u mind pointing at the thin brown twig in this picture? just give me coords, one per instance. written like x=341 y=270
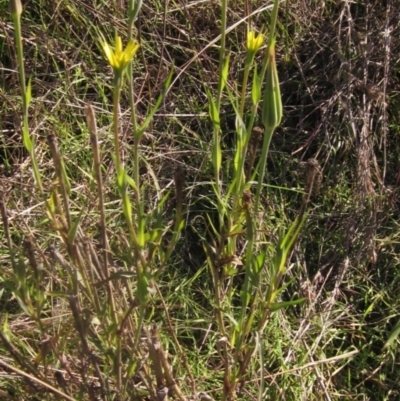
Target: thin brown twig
x=37 y=380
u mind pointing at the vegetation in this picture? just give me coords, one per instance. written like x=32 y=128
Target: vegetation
x=199 y=200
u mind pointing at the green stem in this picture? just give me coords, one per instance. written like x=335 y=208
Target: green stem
x=224 y=9
x=243 y=139
x=137 y=138
x=274 y=18
x=271 y=37
x=217 y=129
x=244 y=88
x=134 y=119
x=268 y=131
x=28 y=142
x=20 y=59
x=118 y=164
x=246 y=289
x=262 y=166
x=117 y=93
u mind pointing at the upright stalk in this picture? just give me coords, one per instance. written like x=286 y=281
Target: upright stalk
x=262 y=166
x=224 y=10
x=133 y=9
x=217 y=129
x=16 y=11
x=272 y=104
x=116 y=97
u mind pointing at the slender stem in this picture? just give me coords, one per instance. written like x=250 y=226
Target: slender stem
x=117 y=93
x=119 y=168
x=244 y=89
x=138 y=256
x=16 y=16
x=20 y=59
x=262 y=166
x=134 y=123
x=217 y=129
x=242 y=140
x=268 y=131
x=136 y=149
x=139 y=211
x=216 y=145
x=271 y=37
x=224 y=9
x=274 y=18
x=246 y=290
x=250 y=126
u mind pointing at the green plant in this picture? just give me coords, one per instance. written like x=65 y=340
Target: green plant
x=263 y=267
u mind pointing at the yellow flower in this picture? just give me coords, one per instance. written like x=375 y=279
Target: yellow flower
x=118 y=58
x=254 y=42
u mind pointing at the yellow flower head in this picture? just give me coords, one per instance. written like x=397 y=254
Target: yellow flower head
x=118 y=58
x=254 y=42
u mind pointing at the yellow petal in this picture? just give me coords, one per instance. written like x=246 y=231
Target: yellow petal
x=131 y=50
x=119 y=58
x=250 y=38
x=259 y=41
x=118 y=45
x=254 y=42
x=109 y=53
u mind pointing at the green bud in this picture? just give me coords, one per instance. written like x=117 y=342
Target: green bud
x=272 y=102
x=15 y=7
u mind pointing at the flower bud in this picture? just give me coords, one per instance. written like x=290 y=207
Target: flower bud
x=272 y=102
x=15 y=7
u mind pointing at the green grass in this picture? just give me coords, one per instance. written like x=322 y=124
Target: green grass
x=74 y=327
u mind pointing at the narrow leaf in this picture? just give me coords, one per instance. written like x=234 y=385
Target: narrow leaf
x=135 y=11
x=255 y=88
x=393 y=335
x=225 y=72
x=217 y=155
x=65 y=177
x=279 y=305
x=28 y=94
x=26 y=137
x=213 y=110
x=74 y=229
